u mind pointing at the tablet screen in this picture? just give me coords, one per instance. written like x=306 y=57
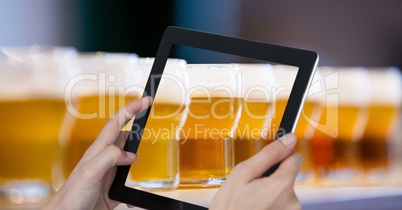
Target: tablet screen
x=207 y=116
x=217 y=101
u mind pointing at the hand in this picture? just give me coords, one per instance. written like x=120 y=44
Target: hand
x=88 y=185
x=245 y=188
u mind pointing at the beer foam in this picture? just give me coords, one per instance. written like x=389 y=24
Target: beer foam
x=108 y=73
x=104 y=57
x=214 y=80
x=257 y=81
x=35 y=53
x=118 y=65
x=386 y=86
x=350 y=83
x=174 y=83
x=315 y=92
x=20 y=81
x=137 y=75
x=174 y=80
x=284 y=79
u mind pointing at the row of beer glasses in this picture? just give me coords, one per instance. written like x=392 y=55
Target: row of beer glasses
x=54 y=102
x=355 y=137
x=226 y=119
x=214 y=126
x=204 y=110
x=206 y=119
x=346 y=131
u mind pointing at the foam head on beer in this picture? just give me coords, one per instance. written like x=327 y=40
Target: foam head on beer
x=385 y=92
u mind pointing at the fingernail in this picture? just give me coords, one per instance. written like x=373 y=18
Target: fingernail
x=131 y=155
x=288 y=139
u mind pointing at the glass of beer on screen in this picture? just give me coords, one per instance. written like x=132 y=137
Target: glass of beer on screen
x=257 y=81
x=334 y=146
x=31 y=109
x=157 y=166
x=214 y=107
x=384 y=117
x=98 y=90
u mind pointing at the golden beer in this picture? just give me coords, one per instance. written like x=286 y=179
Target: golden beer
x=304 y=132
x=81 y=131
x=335 y=152
x=248 y=141
x=205 y=140
x=284 y=80
x=158 y=150
x=32 y=110
x=349 y=132
x=340 y=152
x=380 y=126
x=257 y=83
x=303 y=127
x=28 y=138
x=384 y=116
x=105 y=83
x=336 y=157
x=157 y=166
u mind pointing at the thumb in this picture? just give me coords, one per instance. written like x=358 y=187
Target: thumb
x=270 y=155
x=110 y=157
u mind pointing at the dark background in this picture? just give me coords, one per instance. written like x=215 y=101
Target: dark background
x=344 y=33
x=124 y=26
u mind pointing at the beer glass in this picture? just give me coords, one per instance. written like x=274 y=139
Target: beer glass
x=257 y=81
x=305 y=127
x=214 y=106
x=157 y=166
x=381 y=129
x=334 y=149
x=31 y=109
x=98 y=90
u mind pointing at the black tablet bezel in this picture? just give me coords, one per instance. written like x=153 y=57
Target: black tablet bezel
x=305 y=60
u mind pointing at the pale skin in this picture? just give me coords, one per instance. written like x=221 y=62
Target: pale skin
x=88 y=185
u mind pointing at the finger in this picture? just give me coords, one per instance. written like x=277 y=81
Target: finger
x=270 y=155
x=289 y=168
x=121 y=141
x=111 y=131
x=285 y=175
x=110 y=157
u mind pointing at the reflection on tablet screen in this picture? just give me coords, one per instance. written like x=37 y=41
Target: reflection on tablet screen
x=206 y=118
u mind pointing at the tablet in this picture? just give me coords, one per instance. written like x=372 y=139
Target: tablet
x=217 y=68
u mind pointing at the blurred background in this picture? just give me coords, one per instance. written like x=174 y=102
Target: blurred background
x=344 y=33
